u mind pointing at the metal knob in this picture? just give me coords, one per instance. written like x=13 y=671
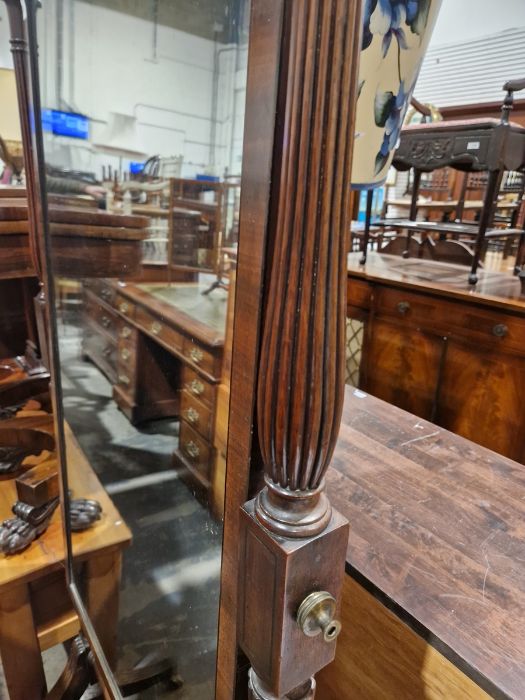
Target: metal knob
x=192 y=416
x=123 y=379
x=125 y=354
x=196 y=387
x=196 y=355
x=192 y=449
x=156 y=327
x=500 y=330
x=403 y=307
x=123 y=308
x=316 y=614
x=106 y=322
x=125 y=332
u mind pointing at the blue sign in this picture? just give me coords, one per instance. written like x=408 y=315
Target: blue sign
x=65 y=124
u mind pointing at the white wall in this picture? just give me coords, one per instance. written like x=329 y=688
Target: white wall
x=113 y=65
x=5 y=51
x=463 y=20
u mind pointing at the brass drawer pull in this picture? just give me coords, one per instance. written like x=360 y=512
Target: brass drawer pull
x=106 y=322
x=156 y=327
x=403 y=307
x=124 y=379
x=125 y=332
x=196 y=355
x=196 y=387
x=123 y=307
x=107 y=351
x=105 y=293
x=192 y=416
x=192 y=449
x=500 y=330
x=125 y=354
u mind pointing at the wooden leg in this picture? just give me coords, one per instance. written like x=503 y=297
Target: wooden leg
x=102 y=600
x=19 y=648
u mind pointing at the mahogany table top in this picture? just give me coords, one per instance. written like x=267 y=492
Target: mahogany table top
x=437 y=533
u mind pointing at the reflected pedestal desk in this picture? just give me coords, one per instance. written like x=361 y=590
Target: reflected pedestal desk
x=161 y=347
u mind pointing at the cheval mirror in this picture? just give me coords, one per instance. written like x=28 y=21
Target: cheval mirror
x=188 y=169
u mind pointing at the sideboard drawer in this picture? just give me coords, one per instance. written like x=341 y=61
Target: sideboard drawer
x=195 y=449
x=151 y=325
x=358 y=293
x=196 y=386
x=197 y=414
x=415 y=308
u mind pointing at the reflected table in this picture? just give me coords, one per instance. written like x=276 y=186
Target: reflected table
x=36 y=612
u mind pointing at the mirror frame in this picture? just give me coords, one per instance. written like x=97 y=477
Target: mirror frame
x=243 y=468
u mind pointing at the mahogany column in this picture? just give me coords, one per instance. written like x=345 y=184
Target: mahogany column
x=292 y=542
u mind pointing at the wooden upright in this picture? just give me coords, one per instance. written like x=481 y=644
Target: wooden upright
x=292 y=542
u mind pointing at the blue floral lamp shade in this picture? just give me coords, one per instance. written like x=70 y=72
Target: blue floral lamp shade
x=396 y=34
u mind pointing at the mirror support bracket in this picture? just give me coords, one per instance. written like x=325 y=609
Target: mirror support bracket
x=292 y=542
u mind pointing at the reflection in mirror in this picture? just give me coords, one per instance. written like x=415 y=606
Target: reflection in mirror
x=143 y=107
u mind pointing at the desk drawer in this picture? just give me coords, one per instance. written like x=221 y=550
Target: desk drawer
x=151 y=325
x=103 y=316
x=195 y=449
x=196 y=386
x=197 y=414
x=125 y=380
x=198 y=356
x=126 y=355
x=126 y=332
x=124 y=306
x=101 y=350
x=102 y=289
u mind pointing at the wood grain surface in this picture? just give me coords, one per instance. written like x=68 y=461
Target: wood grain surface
x=437 y=534
x=493 y=288
x=380 y=658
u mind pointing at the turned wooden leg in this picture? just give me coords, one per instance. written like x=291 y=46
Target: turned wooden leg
x=102 y=600
x=19 y=648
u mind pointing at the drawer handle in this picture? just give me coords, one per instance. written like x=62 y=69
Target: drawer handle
x=500 y=330
x=123 y=307
x=123 y=379
x=196 y=387
x=156 y=327
x=125 y=332
x=192 y=449
x=105 y=293
x=192 y=416
x=125 y=354
x=106 y=322
x=403 y=307
x=107 y=351
x=196 y=355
